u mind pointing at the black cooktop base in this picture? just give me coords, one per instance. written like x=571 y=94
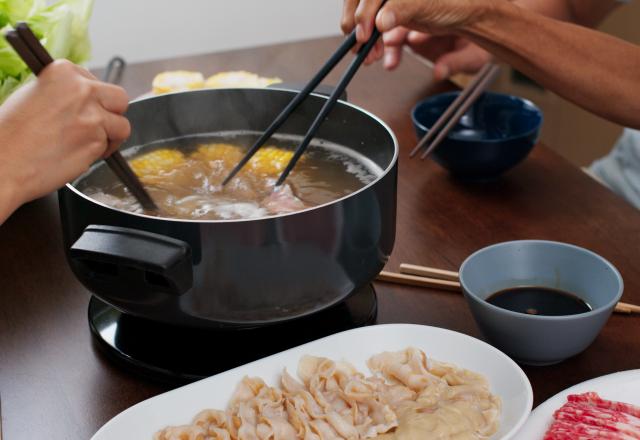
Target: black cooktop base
x=179 y=355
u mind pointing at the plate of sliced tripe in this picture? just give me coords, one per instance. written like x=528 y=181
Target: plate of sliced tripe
x=395 y=381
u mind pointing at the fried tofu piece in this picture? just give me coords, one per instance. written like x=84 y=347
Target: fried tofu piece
x=240 y=79
x=177 y=81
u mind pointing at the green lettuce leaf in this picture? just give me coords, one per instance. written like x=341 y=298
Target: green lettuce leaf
x=61 y=27
x=64 y=29
x=20 y=10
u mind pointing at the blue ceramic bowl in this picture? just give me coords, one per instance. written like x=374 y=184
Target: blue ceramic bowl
x=496 y=134
x=537 y=339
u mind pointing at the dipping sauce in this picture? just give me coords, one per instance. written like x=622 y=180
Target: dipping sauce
x=184 y=177
x=533 y=300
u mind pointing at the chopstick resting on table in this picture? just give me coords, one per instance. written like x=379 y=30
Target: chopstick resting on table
x=419 y=281
x=424 y=276
x=463 y=102
x=36 y=57
x=338 y=55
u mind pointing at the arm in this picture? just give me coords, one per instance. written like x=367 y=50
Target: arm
x=52 y=129
x=589 y=68
x=594 y=70
x=452 y=55
x=583 y=12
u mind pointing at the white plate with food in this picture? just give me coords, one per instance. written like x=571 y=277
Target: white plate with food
x=617 y=387
x=397 y=390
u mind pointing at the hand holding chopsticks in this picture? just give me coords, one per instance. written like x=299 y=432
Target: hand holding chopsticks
x=37 y=59
x=429 y=277
x=340 y=53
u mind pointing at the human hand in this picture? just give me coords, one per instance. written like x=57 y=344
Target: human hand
x=450 y=54
x=55 y=127
x=433 y=16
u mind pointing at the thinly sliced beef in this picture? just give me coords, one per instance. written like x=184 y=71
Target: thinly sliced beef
x=588 y=417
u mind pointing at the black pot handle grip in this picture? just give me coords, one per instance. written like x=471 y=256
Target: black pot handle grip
x=122 y=258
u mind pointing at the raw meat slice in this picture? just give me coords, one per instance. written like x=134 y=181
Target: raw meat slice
x=589 y=417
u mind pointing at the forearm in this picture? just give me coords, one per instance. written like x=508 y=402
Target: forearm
x=9 y=199
x=582 y=12
x=13 y=183
x=589 y=68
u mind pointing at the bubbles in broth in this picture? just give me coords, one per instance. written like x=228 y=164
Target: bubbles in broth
x=184 y=177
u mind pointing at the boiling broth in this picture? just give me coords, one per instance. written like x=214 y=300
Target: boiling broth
x=184 y=177
x=543 y=301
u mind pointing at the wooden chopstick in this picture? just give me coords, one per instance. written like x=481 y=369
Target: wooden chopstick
x=424 y=276
x=414 y=280
x=464 y=94
x=423 y=271
x=483 y=84
x=28 y=47
x=623 y=307
x=337 y=56
x=456 y=110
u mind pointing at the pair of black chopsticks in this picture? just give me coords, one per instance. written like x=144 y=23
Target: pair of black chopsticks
x=339 y=54
x=36 y=57
x=448 y=120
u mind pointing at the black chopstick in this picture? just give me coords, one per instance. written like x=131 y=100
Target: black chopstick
x=344 y=48
x=456 y=110
x=337 y=56
x=28 y=47
x=331 y=102
x=116 y=162
x=32 y=41
x=21 y=48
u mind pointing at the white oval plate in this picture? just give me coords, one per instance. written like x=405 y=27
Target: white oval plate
x=623 y=387
x=179 y=406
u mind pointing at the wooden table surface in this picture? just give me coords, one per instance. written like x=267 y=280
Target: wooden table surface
x=55 y=385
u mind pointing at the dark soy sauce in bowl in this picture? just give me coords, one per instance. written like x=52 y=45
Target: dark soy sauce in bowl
x=543 y=301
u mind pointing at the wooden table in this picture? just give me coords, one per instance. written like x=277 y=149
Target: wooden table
x=54 y=385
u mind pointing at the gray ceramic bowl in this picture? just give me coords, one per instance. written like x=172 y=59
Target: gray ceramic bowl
x=535 y=339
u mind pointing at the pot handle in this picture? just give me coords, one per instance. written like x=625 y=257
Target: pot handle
x=130 y=259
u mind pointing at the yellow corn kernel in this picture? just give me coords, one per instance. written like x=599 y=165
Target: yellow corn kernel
x=270 y=160
x=229 y=154
x=177 y=81
x=157 y=162
x=239 y=79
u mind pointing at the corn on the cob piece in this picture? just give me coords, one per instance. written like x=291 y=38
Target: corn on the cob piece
x=239 y=79
x=270 y=160
x=157 y=162
x=177 y=81
x=229 y=154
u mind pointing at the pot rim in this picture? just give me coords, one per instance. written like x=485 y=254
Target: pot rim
x=392 y=165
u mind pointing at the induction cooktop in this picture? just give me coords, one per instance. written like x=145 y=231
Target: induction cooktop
x=178 y=355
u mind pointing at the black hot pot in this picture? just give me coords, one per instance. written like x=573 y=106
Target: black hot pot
x=242 y=273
